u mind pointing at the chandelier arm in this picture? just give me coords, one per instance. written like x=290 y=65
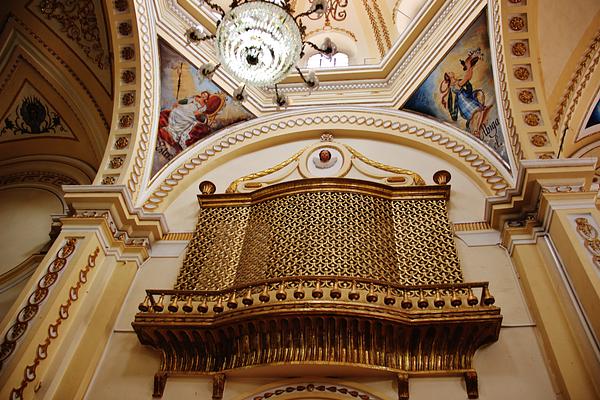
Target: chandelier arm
x=301 y=75
x=314 y=46
x=216 y=7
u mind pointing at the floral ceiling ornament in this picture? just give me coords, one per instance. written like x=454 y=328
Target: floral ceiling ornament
x=335 y=10
x=259 y=42
x=77 y=18
x=33 y=117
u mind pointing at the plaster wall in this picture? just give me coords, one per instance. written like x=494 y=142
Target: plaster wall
x=561 y=27
x=25 y=215
x=513 y=367
x=467 y=198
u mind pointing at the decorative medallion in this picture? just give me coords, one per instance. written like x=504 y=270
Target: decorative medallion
x=546 y=156
x=127 y=53
x=121 y=142
x=79 y=20
x=526 y=96
x=522 y=73
x=128 y=76
x=519 y=49
x=125 y=121
x=532 y=119
x=517 y=23
x=539 y=140
x=108 y=180
x=128 y=98
x=121 y=5
x=117 y=162
x=125 y=28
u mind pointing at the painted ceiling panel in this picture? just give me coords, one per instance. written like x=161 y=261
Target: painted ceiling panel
x=460 y=90
x=191 y=109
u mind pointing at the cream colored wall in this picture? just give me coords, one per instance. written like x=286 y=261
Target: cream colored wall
x=25 y=217
x=467 y=199
x=512 y=368
x=561 y=26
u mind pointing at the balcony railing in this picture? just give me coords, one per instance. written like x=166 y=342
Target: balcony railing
x=353 y=322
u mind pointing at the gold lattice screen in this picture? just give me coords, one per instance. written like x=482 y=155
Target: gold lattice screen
x=401 y=235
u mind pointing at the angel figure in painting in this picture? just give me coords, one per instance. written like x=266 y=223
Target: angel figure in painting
x=458 y=95
x=189 y=120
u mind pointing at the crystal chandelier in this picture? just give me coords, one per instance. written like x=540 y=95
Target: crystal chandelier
x=258 y=42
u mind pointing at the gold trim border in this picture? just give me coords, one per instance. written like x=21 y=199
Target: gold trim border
x=439 y=192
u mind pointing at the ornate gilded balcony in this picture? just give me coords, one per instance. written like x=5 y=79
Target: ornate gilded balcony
x=359 y=275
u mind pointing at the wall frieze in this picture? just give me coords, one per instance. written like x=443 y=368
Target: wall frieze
x=30 y=310
x=29 y=374
x=395 y=123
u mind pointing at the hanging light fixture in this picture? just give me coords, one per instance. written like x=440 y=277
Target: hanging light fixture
x=258 y=42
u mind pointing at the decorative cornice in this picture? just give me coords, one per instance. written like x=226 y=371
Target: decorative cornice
x=92 y=201
x=29 y=374
x=392 y=122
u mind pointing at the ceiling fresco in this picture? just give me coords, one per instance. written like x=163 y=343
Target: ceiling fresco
x=594 y=118
x=192 y=109
x=81 y=23
x=460 y=90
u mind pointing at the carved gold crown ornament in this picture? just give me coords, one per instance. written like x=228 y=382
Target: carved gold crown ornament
x=259 y=42
x=322 y=271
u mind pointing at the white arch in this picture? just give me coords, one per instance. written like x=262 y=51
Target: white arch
x=466 y=152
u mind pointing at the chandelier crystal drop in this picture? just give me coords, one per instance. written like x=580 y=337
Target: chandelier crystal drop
x=258 y=42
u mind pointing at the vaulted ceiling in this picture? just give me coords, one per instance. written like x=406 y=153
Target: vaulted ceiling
x=56 y=82
x=56 y=65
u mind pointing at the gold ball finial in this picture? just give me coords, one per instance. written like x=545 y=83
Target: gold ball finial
x=442 y=177
x=207 y=187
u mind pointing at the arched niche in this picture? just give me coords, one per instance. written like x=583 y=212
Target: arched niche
x=401 y=139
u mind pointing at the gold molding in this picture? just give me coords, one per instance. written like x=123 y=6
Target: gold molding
x=379 y=41
x=30 y=310
x=29 y=374
x=234 y=185
x=471 y=226
x=440 y=192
